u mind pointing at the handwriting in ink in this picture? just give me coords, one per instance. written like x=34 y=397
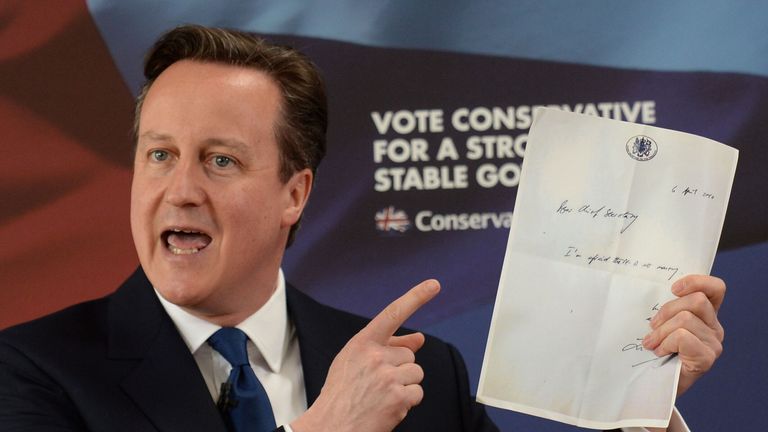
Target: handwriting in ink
x=564 y=208
x=689 y=191
x=637 y=345
x=572 y=251
x=589 y=210
x=654 y=308
x=665 y=360
x=646 y=361
x=674 y=270
x=623 y=261
x=596 y=212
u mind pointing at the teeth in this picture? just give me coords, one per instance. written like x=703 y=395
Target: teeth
x=185 y=231
x=179 y=251
x=176 y=250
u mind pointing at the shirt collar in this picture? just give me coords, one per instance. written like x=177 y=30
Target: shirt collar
x=267 y=328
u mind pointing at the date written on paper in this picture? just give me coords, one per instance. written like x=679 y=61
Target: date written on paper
x=598 y=212
x=574 y=253
x=688 y=191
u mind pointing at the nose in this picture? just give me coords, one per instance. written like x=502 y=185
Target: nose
x=185 y=187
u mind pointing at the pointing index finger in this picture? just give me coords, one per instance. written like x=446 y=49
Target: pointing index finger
x=394 y=315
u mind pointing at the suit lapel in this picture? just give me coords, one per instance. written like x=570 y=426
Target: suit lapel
x=166 y=383
x=321 y=333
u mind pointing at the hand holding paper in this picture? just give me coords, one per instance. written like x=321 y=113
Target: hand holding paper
x=608 y=215
x=689 y=326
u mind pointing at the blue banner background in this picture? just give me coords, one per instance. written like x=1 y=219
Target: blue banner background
x=650 y=50
x=704 y=65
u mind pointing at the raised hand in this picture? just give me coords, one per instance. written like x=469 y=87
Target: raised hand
x=374 y=380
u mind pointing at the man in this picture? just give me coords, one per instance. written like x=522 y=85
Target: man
x=230 y=131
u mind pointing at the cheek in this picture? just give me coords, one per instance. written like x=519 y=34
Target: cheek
x=136 y=211
x=248 y=217
x=139 y=231
x=252 y=213
x=141 y=211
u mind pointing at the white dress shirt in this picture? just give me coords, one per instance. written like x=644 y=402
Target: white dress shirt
x=273 y=351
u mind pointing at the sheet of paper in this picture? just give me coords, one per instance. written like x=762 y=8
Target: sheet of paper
x=608 y=215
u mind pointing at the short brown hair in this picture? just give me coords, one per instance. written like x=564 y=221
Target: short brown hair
x=303 y=121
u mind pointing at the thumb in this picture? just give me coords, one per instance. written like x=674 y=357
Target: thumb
x=413 y=341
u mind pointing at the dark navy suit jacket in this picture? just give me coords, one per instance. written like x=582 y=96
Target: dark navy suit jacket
x=119 y=364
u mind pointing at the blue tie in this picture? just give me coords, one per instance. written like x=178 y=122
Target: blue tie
x=243 y=403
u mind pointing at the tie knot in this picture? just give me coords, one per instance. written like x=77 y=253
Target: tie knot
x=231 y=343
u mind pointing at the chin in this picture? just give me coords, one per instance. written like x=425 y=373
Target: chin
x=187 y=297
x=179 y=290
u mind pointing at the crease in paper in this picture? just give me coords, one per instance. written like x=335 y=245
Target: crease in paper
x=597 y=239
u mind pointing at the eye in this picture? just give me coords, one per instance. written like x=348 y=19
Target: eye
x=222 y=161
x=158 y=155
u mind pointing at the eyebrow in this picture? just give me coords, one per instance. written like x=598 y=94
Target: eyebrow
x=230 y=143
x=155 y=136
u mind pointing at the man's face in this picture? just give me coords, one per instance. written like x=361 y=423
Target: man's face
x=209 y=213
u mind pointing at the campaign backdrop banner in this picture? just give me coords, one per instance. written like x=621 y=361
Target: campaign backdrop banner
x=430 y=107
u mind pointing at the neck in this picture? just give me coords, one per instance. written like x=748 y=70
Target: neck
x=234 y=309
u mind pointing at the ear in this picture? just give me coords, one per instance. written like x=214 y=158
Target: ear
x=298 y=188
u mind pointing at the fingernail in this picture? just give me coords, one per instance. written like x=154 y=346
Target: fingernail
x=647 y=341
x=677 y=287
x=433 y=286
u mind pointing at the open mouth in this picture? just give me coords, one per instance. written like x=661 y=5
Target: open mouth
x=181 y=241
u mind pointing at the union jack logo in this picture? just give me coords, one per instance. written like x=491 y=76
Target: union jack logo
x=391 y=219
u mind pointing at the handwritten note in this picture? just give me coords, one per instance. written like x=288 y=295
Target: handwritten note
x=608 y=215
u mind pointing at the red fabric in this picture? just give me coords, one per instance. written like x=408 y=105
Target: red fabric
x=65 y=119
